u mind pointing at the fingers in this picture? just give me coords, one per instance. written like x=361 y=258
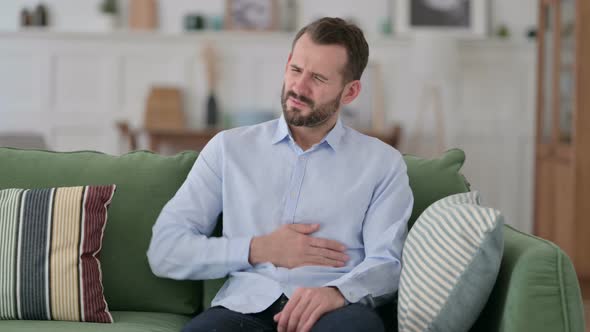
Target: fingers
x=330 y=254
x=322 y=261
x=306 y=307
x=328 y=244
x=296 y=313
x=285 y=314
x=304 y=320
x=304 y=228
x=313 y=318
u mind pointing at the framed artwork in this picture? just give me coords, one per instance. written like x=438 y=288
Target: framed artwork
x=458 y=17
x=251 y=14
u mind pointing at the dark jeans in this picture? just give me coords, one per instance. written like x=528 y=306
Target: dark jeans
x=353 y=317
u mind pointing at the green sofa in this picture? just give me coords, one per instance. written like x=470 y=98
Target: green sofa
x=536 y=289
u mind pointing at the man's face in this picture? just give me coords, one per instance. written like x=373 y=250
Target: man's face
x=313 y=84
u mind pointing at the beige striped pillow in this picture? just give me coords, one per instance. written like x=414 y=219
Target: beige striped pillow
x=50 y=240
x=451 y=259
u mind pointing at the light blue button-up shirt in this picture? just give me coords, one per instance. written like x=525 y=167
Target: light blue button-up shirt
x=354 y=186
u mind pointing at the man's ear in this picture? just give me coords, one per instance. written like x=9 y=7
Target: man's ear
x=351 y=91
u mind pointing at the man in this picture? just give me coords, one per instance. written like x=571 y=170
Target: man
x=314 y=213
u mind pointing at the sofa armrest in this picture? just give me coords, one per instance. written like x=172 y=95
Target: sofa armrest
x=536 y=290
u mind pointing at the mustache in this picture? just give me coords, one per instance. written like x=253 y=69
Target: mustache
x=300 y=98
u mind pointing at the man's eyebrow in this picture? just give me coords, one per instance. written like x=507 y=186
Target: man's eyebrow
x=316 y=74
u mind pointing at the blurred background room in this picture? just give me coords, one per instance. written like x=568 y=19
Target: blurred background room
x=166 y=75
x=90 y=74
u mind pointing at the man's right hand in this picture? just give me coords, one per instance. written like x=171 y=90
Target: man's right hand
x=291 y=246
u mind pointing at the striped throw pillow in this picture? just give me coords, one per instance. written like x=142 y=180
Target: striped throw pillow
x=451 y=259
x=49 y=245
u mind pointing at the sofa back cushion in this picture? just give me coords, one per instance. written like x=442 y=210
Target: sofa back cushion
x=450 y=262
x=145 y=182
x=433 y=179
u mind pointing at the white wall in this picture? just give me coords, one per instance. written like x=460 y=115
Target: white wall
x=74 y=86
x=44 y=83
x=76 y=15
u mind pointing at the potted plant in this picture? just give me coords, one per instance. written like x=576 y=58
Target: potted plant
x=109 y=10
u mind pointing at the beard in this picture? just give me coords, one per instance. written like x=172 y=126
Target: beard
x=319 y=114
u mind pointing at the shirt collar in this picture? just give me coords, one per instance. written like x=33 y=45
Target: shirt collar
x=281 y=131
x=333 y=138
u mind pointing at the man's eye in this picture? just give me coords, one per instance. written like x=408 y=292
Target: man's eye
x=319 y=79
x=297 y=70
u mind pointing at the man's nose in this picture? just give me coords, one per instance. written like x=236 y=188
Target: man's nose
x=301 y=85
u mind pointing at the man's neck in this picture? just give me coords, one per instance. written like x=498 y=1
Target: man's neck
x=306 y=137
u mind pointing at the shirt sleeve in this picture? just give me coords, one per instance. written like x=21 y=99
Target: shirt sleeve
x=375 y=280
x=180 y=247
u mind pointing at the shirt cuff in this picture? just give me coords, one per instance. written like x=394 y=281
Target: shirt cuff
x=239 y=253
x=352 y=290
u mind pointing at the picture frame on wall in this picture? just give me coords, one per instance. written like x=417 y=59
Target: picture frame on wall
x=465 y=18
x=251 y=15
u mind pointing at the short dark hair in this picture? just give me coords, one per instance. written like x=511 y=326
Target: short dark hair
x=336 y=31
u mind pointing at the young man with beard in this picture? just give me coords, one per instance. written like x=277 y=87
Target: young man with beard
x=314 y=213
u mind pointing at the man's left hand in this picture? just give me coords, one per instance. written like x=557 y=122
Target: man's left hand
x=306 y=306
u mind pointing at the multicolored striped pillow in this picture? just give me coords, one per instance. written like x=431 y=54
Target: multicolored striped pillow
x=451 y=259
x=49 y=245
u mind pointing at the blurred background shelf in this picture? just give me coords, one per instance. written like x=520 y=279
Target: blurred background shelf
x=72 y=87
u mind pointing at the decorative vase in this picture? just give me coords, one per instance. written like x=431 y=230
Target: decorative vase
x=143 y=14
x=212 y=111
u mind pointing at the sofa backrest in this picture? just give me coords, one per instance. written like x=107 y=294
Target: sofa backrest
x=433 y=179
x=145 y=182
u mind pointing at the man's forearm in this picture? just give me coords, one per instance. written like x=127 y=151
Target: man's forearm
x=176 y=252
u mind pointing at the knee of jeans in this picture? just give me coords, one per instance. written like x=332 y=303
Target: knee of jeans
x=355 y=317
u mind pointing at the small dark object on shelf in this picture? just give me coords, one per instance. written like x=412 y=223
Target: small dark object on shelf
x=40 y=17
x=532 y=33
x=194 y=22
x=26 y=19
x=109 y=7
x=212 y=111
x=502 y=31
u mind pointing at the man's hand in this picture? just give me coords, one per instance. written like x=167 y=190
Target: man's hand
x=291 y=246
x=306 y=306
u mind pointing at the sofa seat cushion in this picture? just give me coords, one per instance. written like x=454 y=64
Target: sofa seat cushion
x=125 y=321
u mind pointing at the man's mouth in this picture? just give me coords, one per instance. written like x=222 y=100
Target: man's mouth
x=296 y=101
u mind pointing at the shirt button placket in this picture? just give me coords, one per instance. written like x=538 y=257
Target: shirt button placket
x=295 y=186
